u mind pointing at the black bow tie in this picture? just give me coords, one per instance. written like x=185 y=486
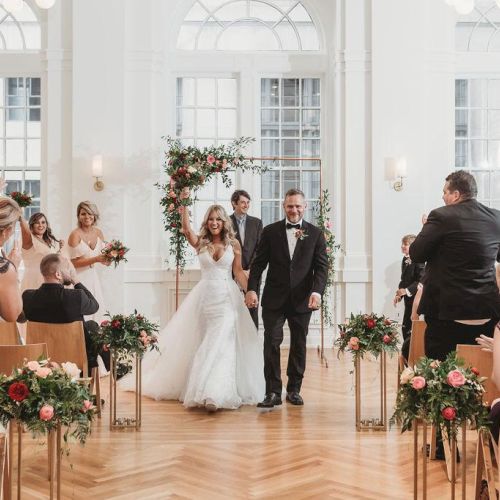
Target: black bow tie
x=292 y=226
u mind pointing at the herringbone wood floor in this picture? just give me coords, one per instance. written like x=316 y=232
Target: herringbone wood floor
x=312 y=451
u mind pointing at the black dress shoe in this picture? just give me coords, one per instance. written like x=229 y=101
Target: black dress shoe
x=270 y=401
x=295 y=398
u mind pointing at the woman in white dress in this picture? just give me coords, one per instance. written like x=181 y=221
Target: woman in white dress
x=210 y=352
x=37 y=242
x=85 y=251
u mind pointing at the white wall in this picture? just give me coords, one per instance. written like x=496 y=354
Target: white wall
x=388 y=66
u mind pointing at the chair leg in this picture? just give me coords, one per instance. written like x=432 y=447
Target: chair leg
x=433 y=444
x=97 y=381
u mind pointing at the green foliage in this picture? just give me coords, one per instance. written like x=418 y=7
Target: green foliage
x=43 y=385
x=441 y=393
x=367 y=333
x=322 y=210
x=193 y=167
x=133 y=334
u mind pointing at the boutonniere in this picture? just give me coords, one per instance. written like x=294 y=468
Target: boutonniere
x=301 y=234
x=407 y=261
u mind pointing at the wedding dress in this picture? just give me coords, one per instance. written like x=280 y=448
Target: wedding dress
x=210 y=351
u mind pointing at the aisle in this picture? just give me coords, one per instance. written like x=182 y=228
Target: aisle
x=295 y=452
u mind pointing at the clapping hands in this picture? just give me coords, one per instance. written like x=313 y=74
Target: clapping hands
x=485 y=342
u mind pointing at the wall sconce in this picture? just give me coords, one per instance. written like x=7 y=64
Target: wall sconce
x=97 y=172
x=397 y=171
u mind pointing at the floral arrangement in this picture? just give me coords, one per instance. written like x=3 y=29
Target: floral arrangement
x=23 y=199
x=301 y=234
x=367 y=333
x=192 y=167
x=115 y=252
x=441 y=393
x=43 y=395
x=323 y=210
x=133 y=334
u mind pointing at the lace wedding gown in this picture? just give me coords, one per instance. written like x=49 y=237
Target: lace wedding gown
x=210 y=351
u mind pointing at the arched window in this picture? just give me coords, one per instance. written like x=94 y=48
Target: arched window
x=19 y=31
x=248 y=25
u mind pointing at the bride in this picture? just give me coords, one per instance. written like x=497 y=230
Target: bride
x=210 y=352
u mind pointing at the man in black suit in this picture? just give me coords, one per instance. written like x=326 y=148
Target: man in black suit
x=411 y=275
x=248 y=232
x=298 y=267
x=52 y=303
x=460 y=243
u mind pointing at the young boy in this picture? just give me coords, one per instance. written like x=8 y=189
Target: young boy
x=411 y=274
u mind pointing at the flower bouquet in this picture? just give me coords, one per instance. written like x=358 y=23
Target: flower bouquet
x=367 y=333
x=43 y=395
x=441 y=393
x=133 y=334
x=115 y=252
x=23 y=199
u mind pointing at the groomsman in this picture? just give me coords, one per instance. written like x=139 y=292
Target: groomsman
x=248 y=231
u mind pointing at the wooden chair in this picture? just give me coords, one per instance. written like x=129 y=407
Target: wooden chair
x=483 y=361
x=417 y=342
x=9 y=334
x=13 y=356
x=66 y=342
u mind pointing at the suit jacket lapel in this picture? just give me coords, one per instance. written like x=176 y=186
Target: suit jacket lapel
x=284 y=239
x=300 y=242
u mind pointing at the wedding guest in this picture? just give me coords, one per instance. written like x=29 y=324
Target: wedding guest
x=411 y=275
x=85 y=248
x=37 y=241
x=53 y=303
x=11 y=304
x=248 y=231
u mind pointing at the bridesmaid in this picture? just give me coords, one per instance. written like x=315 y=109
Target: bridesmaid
x=37 y=242
x=85 y=246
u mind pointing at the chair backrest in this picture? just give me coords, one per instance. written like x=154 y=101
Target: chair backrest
x=417 y=342
x=65 y=341
x=9 y=334
x=483 y=361
x=13 y=356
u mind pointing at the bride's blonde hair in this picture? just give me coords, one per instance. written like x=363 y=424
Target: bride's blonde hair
x=228 y=236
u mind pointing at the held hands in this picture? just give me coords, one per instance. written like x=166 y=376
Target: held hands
x=61 y=244
x=251 y=300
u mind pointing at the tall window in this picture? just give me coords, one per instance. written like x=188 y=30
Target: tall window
x=19 y=31
x=477 y=134
x=20 y=136
x=290 y=128
x=207 y=115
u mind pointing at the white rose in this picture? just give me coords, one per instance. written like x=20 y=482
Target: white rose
x=191 y=169
x=71 y=369
x=406 y=375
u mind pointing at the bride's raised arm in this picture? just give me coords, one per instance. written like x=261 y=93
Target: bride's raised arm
x=188 y=232
x=239 y=274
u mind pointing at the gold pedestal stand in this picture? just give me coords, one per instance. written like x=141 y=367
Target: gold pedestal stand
x=125 y=422
x=379 y=424
x=450 y=451
x=54 y=472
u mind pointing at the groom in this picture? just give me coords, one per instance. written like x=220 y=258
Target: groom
x=296 y=253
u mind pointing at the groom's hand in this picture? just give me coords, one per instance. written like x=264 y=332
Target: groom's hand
x=251 y=299
x=314 y=301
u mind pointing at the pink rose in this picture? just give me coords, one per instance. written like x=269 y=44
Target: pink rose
x=33 y=365
x=172 y=194
x=113 y=254
x=87 y=405
x=210 y=159
x=105 y=323
x=143 y=333
x=46 y=412
x=354 y=343
x=328 y=224
x=43 y=372
x=387 y=339
x=455 y=378
x=418 y=383
x=449 y=413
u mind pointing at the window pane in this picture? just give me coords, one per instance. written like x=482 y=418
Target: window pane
x=494 y=124
x=310 y=185
x=270 y=185
x=205 y=123
x=291 y=179
x=478 y=94
x=478 y=125
x=495 y=185
x=227 y=123
x=461 y=123
x=310 y=123
x=291 y=148
x=270 y=123
x=494 y=94
x=14 y=152
x=185 y=122
x=271 y=212
x=290 y=122
x=290 y=92
x=483 y=184
x=461 y=93
x=205 y=92
x=270 y=147
x=461 y=160
x=33 y=152
x=270 y=92
x=479 y=157
x=310 y=92
x=226 y=88
x=185 y=91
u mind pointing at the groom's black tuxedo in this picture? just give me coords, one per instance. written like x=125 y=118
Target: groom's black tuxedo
x=288 y=287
